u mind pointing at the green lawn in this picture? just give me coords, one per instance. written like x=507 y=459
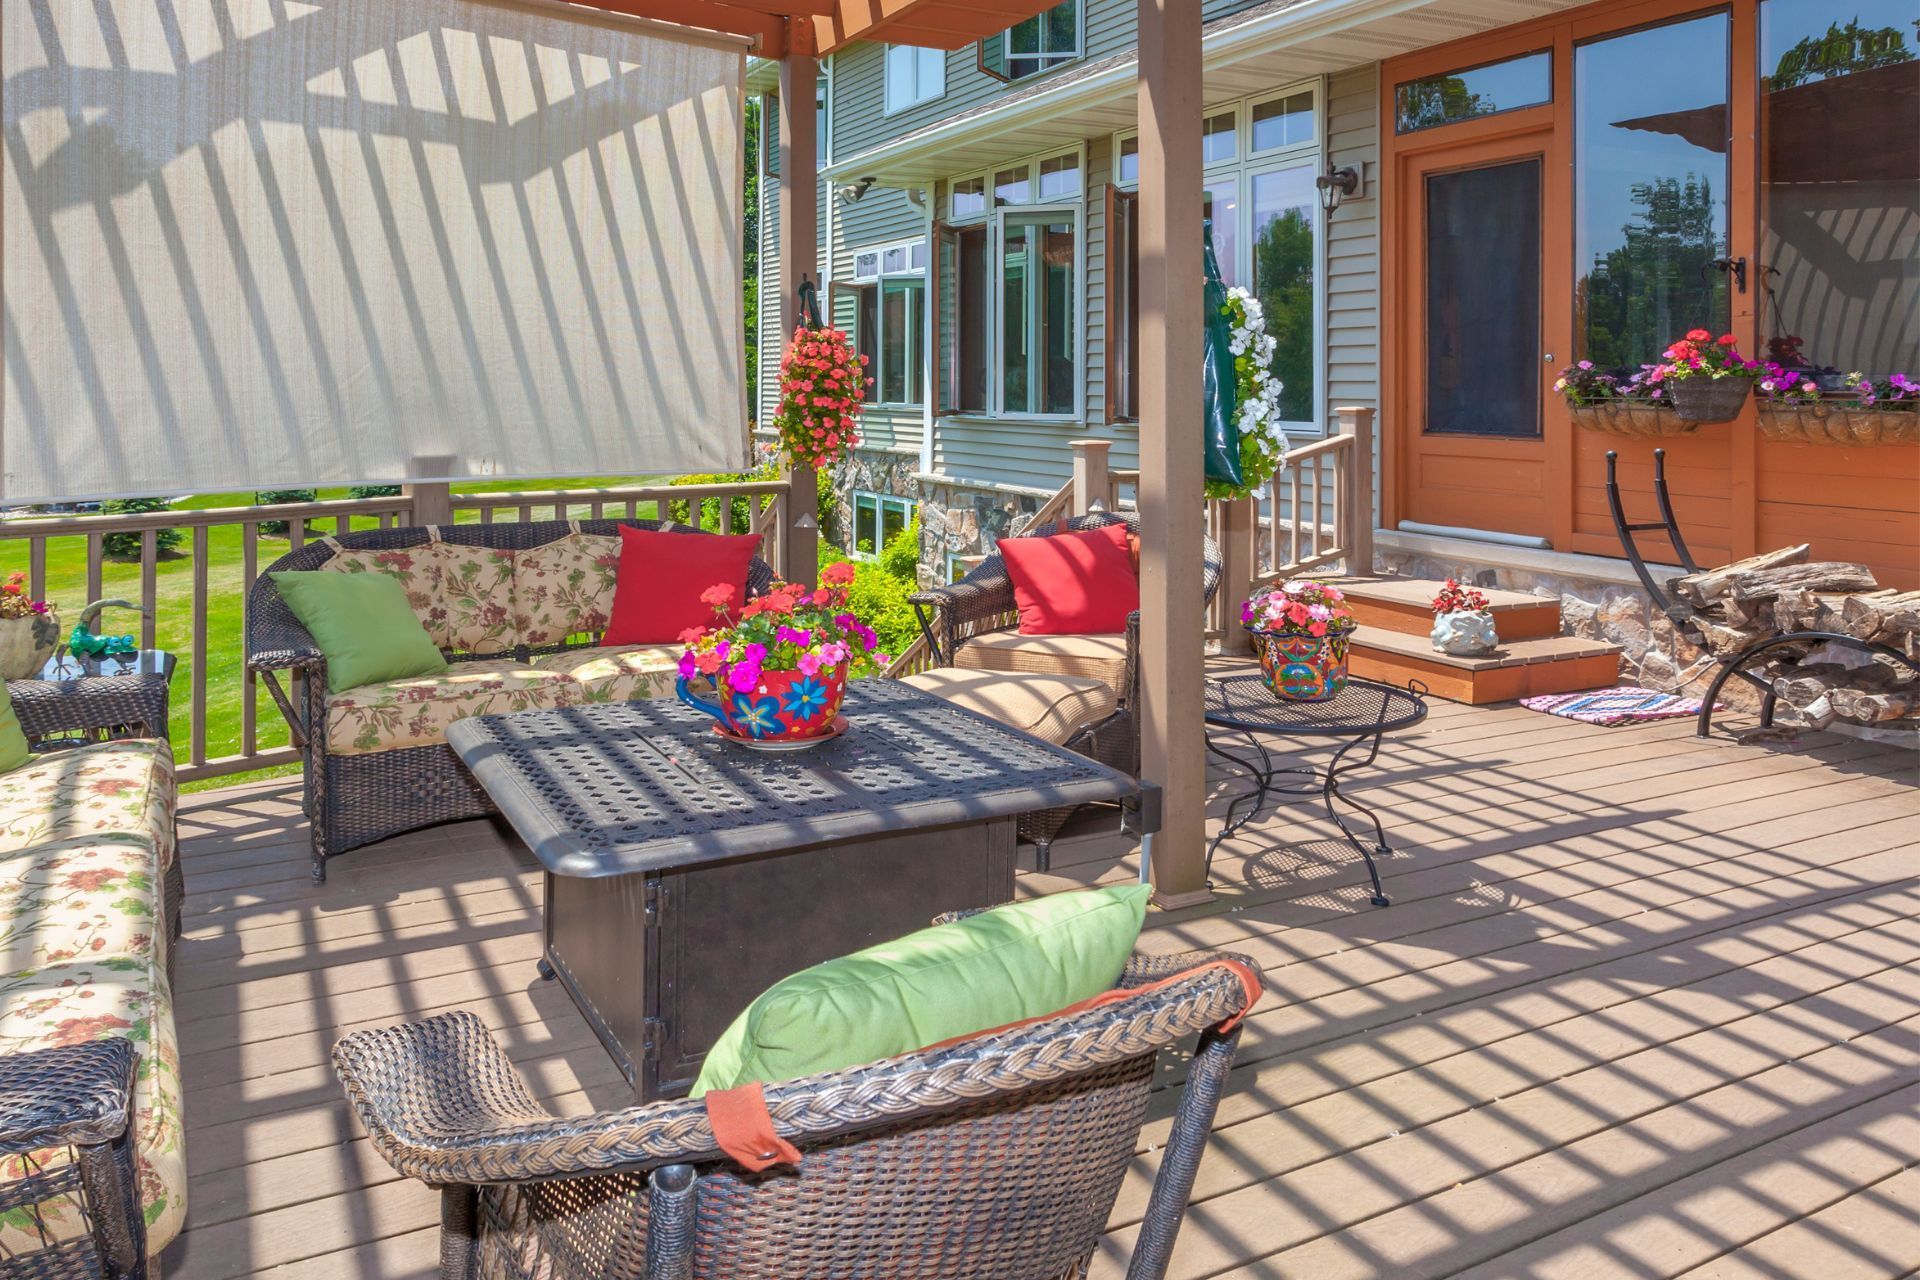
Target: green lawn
x=66 y=587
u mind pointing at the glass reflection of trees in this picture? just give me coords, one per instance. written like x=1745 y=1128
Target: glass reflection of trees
x=1649 y=285
x=1283 y=270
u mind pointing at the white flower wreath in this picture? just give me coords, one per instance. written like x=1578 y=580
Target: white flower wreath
x=1263 y=445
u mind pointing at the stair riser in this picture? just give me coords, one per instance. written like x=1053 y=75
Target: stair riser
x=1531 y=623
x=1497 y=684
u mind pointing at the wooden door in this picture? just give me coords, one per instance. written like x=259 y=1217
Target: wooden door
x=1481 y=331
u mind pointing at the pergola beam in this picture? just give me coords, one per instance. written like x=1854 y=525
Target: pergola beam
x=1172 y=629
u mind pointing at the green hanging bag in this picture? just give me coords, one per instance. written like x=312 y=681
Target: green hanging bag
x=1220 y=383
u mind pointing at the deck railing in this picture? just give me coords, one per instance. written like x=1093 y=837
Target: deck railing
x=194 y=597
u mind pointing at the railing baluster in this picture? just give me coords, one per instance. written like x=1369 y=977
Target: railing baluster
x=1317 y=459
x=296 y=532
x=198 y=749
x=96 y=567
x=486 y=515
x=1293 y=518
x=526 y=513
x=597 y=510
x=149 y=587
x=36 y=568
x=342 y=525
x=249 y=683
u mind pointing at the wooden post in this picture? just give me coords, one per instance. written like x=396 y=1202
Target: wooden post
x=1172 y=509
x=1356 y=495
x=1239 y=561
x=799 y=259
x=431 y=503
x=1092 y=487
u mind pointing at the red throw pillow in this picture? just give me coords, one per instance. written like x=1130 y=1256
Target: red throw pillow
x=656 y=590
x=1073 y=584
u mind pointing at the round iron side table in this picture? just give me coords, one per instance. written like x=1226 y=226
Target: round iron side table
x=1362 y=713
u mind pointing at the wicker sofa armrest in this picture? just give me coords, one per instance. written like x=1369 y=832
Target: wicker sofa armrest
x=443 y=1104
x=69 y=1095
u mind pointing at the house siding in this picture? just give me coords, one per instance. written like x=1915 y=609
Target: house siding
x=1353 y=244
x=882 y=217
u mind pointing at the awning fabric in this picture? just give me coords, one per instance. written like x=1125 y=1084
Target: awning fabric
x=266 y=243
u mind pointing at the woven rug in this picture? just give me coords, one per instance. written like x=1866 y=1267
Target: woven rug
x=1627 y=704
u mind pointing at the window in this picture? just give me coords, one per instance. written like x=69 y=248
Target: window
x=877 y=517
x=1127 y=168
x=1282 y=122
x=890 y=321
x=1039 y=44
x=914 y=76
x=1008 y=330
x=1123 y=305
x=1525 y=81
x=1285 y=212
x=1219 y=137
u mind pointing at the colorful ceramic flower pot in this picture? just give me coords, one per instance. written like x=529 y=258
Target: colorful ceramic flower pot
x=783 y=707
x=1302 y=668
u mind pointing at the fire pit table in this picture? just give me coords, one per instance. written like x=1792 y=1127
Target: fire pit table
x=685 y=874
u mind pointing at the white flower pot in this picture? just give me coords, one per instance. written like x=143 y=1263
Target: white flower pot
x=26 y=644
x=1465 y=633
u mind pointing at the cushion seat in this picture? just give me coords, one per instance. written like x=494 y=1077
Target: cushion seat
x=69 y=1004
x=91 y=900
x=1102 y=658
x=622 y=673
x=415 y=712
x=1050 y=707
x=117 y=792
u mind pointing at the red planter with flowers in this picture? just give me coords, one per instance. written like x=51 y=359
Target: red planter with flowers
x=1706 y=377
x=1300 y=630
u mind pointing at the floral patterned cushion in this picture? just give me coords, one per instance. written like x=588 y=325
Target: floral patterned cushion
x=80 y=899
x=564 y=588
x=626 y=673
x=118 y=791
x=67 y=1004
x=475 y=586
x=415 y=712
x=416 y=569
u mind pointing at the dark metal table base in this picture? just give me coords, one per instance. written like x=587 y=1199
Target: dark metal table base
x=1325 y=781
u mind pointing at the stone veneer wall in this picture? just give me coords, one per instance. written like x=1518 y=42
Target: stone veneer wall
x=889 y=471
x=1653 y=654
x=961 y=519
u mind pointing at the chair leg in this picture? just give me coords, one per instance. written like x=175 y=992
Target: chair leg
x=458 y=1226
x=672 y=1213
x=1043 y=854
x=1180 y=1161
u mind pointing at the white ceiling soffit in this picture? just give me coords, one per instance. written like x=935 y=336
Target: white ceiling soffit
x=1247 y=52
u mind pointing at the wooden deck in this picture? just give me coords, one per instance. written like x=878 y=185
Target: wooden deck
x=1643 y=1006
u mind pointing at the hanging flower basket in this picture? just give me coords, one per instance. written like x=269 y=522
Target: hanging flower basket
x=1642 y=419
x=823 y=388
x=1263 y=444
x=1818 y=423
x=1706 y=399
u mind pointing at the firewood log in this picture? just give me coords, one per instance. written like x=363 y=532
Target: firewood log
x=1861 y=707
x=1820 y=575
x=1808 y=696
x=1711 y=584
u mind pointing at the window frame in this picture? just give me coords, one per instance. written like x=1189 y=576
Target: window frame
x=919 y=99
x=918 y=307
x=1247 y=165
x=880 y=504
x=1057 y=60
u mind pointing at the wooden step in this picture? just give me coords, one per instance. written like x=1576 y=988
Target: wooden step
x=1405 y=605
x=1517 y=669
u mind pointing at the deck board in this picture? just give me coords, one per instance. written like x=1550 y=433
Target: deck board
x=1634 y=987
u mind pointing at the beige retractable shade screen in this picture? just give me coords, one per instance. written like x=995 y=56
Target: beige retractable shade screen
x=268 y=243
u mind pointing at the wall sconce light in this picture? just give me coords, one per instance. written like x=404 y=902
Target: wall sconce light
x=851 y=194
x=1336 y=185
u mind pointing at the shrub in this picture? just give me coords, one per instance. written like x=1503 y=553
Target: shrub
x=374 y=491
x=878 y=594
x=126 y=546
x=268 y=497
x=739 y=521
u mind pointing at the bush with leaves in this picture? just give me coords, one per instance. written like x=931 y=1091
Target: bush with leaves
x=126 y=546
x=269 y=497
x=740 y=519
x=374 y=491
x=880 y=588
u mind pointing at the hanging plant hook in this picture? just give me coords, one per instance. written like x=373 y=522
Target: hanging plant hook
x=808 y=296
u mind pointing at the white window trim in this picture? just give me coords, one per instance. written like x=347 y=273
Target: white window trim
x=1246 y=165
x=878 y=279
x=1059 y=60
x=887 y=82
x=882 y=501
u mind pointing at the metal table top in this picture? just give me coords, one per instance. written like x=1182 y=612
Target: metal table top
x=1363 y=707
x=616 y=788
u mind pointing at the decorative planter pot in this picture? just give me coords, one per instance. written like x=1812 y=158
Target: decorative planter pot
x=26 y=644
x=1838 y=425
x=1703 y=399
x=1464 y=633
x=1642 y=419
x=787 y=706
x=1299 y=668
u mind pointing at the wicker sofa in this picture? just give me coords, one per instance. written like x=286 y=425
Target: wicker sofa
x=92 y=1161
x=974 y=625
x=518 y=610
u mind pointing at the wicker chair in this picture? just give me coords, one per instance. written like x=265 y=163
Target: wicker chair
x=1000 y=1156
x=354 y=800
x=982 y=603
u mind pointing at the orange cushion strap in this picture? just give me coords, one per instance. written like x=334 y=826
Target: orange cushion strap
x=743 y=1128
x=1249 y=980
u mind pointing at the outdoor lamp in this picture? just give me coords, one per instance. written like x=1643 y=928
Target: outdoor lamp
x=1335 y=185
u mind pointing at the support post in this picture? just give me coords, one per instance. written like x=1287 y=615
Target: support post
x=1356 y=495
x=1092 y=486
x=799 y=259
x=432 y=503
x=1239 y=561
x=1172 y=509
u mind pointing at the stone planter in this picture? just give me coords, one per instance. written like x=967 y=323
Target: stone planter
x=1833 y=424
x=1636 y=419
x=1465 y=633
x=26 y=644
x=1704 y=399
x=1301 y=668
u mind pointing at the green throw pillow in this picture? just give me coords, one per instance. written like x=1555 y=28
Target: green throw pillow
x=363 y=624
x=13 y=739
x=1019 y=961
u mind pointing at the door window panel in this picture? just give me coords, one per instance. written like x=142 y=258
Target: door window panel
x=1483 y=300
x=1839 y=269
x=1525 y=81
x=1650 y=189
x=1037 y=304
x=1284 y=208
x=1221 y=203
